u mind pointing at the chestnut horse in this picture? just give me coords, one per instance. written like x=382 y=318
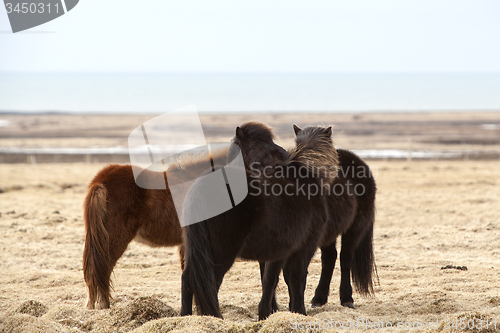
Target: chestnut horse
x=117 y=210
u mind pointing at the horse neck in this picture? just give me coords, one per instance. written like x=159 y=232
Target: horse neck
x=321 y=160
x=194 y=166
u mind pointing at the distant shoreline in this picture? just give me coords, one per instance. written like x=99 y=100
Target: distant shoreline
x=95 y=137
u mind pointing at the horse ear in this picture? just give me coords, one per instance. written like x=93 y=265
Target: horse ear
x=328 y=131
x=296 y=129
x=239 y=133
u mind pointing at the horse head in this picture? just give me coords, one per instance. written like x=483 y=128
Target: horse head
x=255 y=140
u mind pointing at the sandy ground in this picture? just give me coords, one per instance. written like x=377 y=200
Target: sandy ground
x=430 y=214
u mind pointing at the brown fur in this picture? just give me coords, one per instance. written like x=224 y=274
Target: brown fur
x=96 y=258
x=116 y=211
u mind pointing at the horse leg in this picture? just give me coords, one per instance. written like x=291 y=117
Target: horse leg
x=295 y=274
x=269 y=281
x=296 y=286
x=90 y=305
x=328 y=259
x=274 y=304
x=118 y=242
x=346 y=256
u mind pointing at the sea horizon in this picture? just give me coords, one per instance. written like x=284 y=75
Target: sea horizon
x=155 y=93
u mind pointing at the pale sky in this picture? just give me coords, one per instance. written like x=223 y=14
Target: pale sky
x=261 y=36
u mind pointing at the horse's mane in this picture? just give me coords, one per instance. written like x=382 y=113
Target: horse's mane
x=253 y=131
x=257 y=131
x=198 y=162
x=315 y=151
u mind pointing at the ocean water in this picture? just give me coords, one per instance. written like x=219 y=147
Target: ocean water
x=363 y=153
x=159 y=93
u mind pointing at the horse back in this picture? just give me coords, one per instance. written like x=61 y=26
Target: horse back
x=351 y=197
x=149 y=213
x=357 y=170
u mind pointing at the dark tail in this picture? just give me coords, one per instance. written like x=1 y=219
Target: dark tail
x=96 y=252
x=181 y=256
x=363 y=268
x=200 y=263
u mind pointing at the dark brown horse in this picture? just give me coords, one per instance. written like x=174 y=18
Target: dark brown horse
x=351 y=206
x=351 y=202
x=117 y=210
x=282 y=229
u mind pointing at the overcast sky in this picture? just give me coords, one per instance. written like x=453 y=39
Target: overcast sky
x=261 y=36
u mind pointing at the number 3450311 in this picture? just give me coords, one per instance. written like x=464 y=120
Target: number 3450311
x=473 y=323
x=31 y=7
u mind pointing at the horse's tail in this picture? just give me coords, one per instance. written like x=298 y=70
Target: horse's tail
x=96 y=252
x=363 y=267
x=200 y=266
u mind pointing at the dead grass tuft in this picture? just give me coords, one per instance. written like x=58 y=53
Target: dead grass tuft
x=32 y=308
x=191 y=324
x=23 y=323
x=71 y=317
x=11 y=188
x=137 y=312
x=494 y=301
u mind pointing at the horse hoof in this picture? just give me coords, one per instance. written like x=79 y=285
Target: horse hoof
x=274 y=307
x=349 y=305
x=315 y=304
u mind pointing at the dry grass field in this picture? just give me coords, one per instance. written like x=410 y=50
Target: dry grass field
x=430 y=214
